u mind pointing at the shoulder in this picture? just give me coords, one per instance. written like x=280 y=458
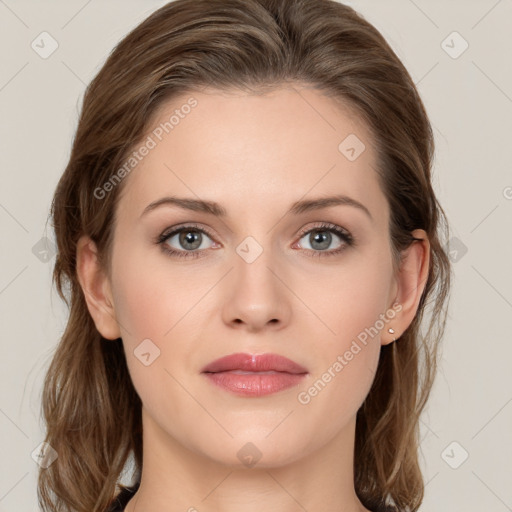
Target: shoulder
x=122 y=499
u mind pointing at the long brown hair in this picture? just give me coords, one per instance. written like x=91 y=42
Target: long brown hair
x=90 y=407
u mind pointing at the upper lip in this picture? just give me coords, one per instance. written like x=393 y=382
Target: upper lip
x=254 y=363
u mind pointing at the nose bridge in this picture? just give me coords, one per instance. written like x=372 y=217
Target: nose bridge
x=256 y=296
x=252 y=267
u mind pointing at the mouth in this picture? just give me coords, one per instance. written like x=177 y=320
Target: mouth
x=254 y=375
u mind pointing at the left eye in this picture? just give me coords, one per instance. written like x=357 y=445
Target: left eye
x=320 y=239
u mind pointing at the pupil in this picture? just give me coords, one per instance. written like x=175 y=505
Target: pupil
x=190 y=237
x=323 y=238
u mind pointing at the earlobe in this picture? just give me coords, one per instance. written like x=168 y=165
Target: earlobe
x=96 y=288
x=411 y=281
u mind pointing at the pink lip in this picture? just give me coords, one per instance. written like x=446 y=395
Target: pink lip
x=254 y=375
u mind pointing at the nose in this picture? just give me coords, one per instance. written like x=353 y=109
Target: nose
x=256 y=297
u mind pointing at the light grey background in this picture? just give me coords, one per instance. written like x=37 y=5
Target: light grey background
x=469 y=101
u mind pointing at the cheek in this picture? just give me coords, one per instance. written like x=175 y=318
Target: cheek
x=160 y=311
x=154 y=310
x=351 y=300
x=345 y=368
x=355 y=311
x=336 y=394
x=152 y=295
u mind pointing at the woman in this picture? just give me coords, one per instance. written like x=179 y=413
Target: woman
x=250 y=238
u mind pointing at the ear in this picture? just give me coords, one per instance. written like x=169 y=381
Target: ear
x=411 y=281
x=97 y=290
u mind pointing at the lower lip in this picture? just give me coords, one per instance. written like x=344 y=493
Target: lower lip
x=255 y=383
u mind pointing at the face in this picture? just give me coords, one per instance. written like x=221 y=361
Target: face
x=312 y=283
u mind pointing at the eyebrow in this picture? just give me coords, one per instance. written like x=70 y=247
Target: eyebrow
x=216 y=209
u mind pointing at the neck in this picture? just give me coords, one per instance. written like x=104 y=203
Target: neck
x=175 y=478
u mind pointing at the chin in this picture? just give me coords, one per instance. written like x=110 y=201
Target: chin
x=258 y=450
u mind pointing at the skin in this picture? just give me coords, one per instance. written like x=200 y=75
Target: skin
x=255 y=155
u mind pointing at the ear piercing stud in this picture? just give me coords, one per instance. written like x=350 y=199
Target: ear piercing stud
x=392 y=331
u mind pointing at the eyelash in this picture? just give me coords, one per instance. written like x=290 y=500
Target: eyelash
x=343 y=234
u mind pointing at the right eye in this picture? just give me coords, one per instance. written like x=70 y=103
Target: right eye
x=189 y=239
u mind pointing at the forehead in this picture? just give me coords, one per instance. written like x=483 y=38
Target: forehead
x=248 y=150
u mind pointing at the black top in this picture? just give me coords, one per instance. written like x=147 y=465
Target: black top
x=127 y=492
x=123 y=498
